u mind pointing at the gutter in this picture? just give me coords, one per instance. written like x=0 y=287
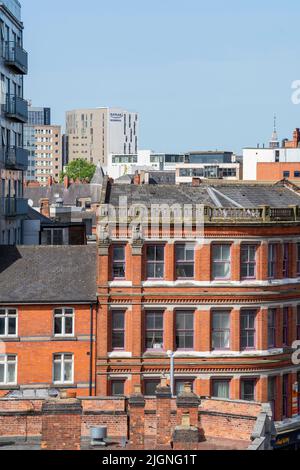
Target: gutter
x=91 y=349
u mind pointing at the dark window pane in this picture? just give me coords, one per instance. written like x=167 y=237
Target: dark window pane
x=2 y=326
x=221 y=389
x=150 y=387
x=12 y=324
x=117 y=388
x=118 y=320
x=118 y=340
x=151 y=253
x=58 y=326
x=69 y=326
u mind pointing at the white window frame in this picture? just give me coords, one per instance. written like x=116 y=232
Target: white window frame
x=62 y=371
x=6 y=317
x=4 y=360
x=64 y=315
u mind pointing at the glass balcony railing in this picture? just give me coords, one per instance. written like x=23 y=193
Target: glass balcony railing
x=13 y=207
x=16 y=108
x=16 y=58
x=15 y=158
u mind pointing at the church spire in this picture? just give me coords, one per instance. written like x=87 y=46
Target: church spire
x=274 y=142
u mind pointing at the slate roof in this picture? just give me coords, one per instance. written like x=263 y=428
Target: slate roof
x=244 y=195
x=69 y=196
x=47 y=274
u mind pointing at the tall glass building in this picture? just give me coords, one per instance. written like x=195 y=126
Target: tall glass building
x=13 y=116
x=36 y=117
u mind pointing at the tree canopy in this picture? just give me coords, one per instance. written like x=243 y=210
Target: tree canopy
x=79 y=169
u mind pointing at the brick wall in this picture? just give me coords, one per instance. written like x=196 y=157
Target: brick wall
x=233 y=419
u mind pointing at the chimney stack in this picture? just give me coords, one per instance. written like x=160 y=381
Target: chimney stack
x=66 y=182
x=45 y=207
x=196 y=182
x=50 y=181
x=137 y=179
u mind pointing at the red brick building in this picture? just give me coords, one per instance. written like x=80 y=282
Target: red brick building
x=225 y=302
x=47 y=320
x=221 y=296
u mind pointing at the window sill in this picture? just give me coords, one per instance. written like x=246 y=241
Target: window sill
x=10 y=339
x=62 y=386
x=62 y=339
x=9 y=387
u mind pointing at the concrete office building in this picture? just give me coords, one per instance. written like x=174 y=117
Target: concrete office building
x=13 y=115
x=93 y=134
x=123 y=164
x=277 y=161
x=44 y=144
x=209 y=165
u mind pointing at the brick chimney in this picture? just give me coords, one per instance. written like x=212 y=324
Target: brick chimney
x=196 y=182
x=296 y=137
x=66 y=182
x=137 y=179
x=45 y=207
x=50 y=181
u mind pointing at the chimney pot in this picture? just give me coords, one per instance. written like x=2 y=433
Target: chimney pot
x=196 y=182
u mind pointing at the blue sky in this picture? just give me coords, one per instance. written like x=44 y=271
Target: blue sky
x=202 y=74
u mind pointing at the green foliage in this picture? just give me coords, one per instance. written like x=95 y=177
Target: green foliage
x=79 y=169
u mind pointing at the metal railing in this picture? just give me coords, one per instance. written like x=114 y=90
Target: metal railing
x=16 y=108
x=16 y=57
x=14 y=157
x=13 y=207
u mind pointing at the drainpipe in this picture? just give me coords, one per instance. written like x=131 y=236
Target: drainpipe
x=91 y=347
x=171 y=355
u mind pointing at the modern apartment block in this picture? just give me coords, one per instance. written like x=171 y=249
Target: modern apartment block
x=13 y=115
x=93 y=134
x=44 y=144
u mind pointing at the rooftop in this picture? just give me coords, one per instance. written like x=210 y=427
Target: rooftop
x=47 y=274
x=69 y=195
x=218 y=194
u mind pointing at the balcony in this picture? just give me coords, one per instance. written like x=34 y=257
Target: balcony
x=14 y=158
x=16 y=108
x=13 y=207
x=16 y=58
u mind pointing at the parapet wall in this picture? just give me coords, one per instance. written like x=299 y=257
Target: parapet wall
x=22 y=419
